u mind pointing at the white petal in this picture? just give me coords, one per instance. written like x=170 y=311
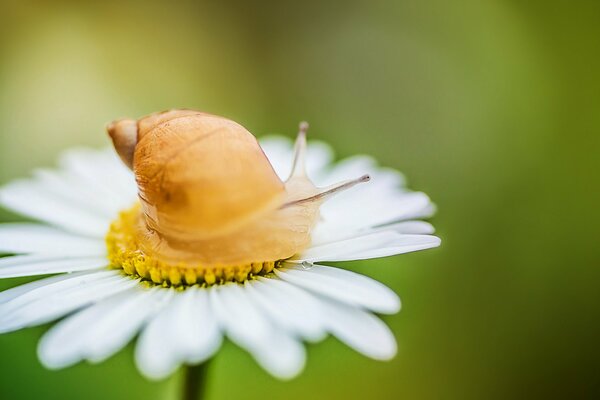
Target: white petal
x=409 y=227
x=282 y=356
x=360 y=330
x=24 y=238
x=63 y=345
x=318 y=156
x=278 y=150
x=405 y=227
x=104 y=173
x=12 y=293
x=48 y=303
x=185 y=330
x=155 y=353
x=368 y=208
x=29 y=199
x=202 y=336
x=406 y=245
x=339 y=248
x=279 y=354
x=102 y=329
x=120 y=326
x=29 y=265
x=64 y=185
x=243 y=322
x=291 y=308
x=343 y=285
x=372 y=245
x=82 y=197
x=22 y=294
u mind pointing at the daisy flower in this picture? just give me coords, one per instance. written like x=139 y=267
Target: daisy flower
x=104 y=292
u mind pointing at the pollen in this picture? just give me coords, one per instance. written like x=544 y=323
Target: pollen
x=124 y=252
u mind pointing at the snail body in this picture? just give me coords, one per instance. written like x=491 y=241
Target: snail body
x=208 y=194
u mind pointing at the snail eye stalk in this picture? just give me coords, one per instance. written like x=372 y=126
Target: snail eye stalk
x=299 y=163
x=330 y=191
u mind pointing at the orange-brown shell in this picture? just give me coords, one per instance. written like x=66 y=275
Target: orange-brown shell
x=200 y=175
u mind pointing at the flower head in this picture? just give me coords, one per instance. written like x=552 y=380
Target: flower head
x=106 y=290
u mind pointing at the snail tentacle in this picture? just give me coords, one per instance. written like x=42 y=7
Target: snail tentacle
x=329 y=191
x=299 y=163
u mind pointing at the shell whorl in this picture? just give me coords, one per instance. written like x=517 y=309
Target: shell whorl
x=199 y=175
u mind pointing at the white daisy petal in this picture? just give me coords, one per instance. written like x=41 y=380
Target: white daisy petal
x=404 y=227
x=63 y=344
x=289 y=307
x=360 y=330
x=24 y=238
x=103 y=172
x=115 y=329
x=371 y=245
x=345 y=286
x=25 y=197
x=409 y=227
x=279 y=354
x=121 y=178
x=53 y=301
x=155 y=354
x=342 y=247
x=64 y=185
x=99 y=330
x=318 y=157
x=406 y=245
x=52 y=307
x=185 y=330
x=29 y=265
x=12 y=293
x=91 y=186
x=368 y=208
x=278 y=150
x=243 y=323
x=202 y=336
x=42 y=287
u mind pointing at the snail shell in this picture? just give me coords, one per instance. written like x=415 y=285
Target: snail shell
x=200 y=175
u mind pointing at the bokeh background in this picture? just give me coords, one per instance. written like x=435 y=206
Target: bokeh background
x=491 y=107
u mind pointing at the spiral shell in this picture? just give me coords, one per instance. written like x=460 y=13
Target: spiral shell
x=199 y=176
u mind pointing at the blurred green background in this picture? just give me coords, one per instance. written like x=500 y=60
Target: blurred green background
x=491 y=107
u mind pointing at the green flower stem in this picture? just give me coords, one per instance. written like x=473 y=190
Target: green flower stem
x=194 y=382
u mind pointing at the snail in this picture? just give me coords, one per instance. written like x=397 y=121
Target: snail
x=208 y=195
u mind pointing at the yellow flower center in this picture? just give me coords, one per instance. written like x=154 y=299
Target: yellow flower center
x=124 y=252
